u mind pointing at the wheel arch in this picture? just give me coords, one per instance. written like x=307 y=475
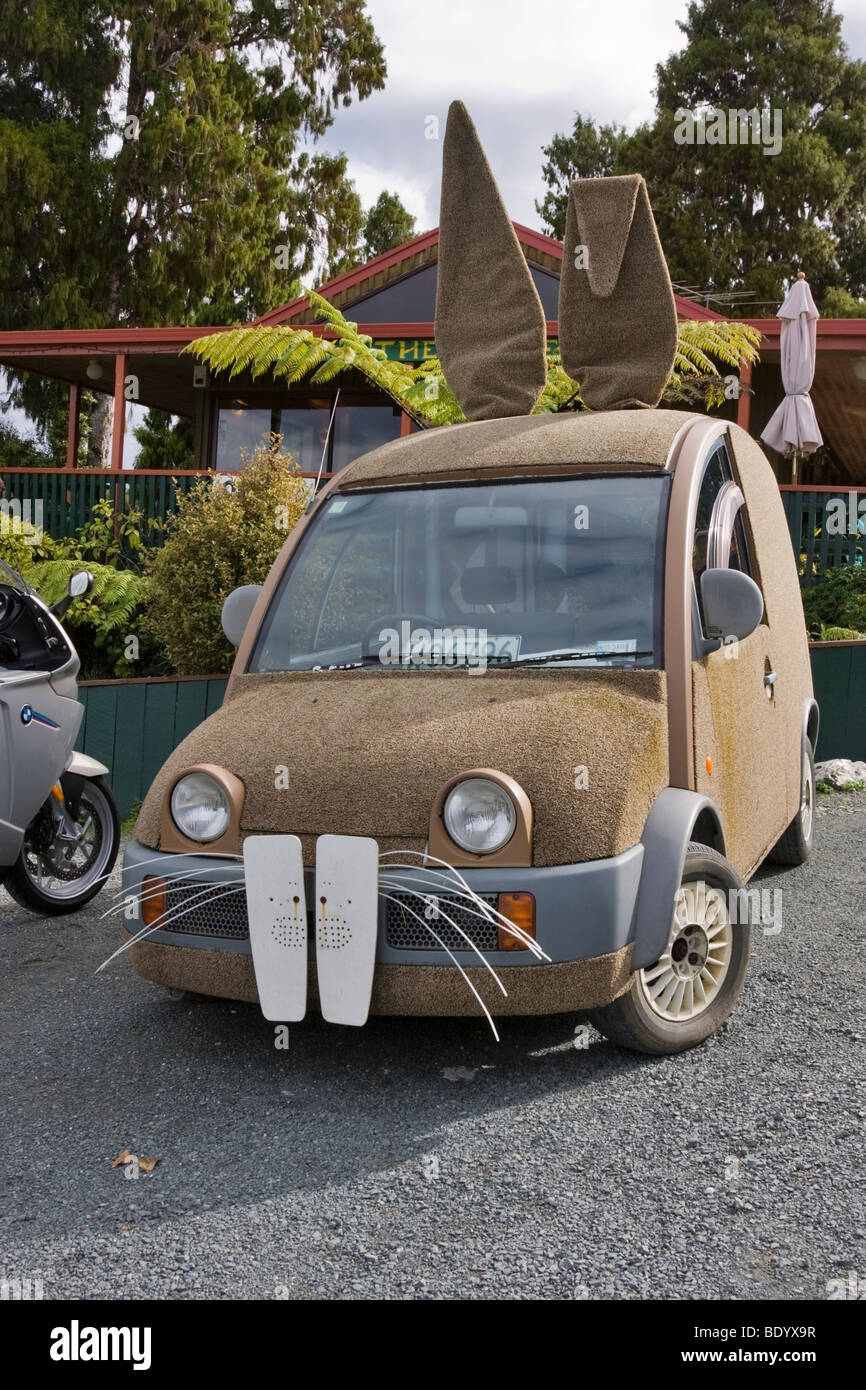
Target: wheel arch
x=676 y=817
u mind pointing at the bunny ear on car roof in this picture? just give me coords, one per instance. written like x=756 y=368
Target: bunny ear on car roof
x=491 y=334
x=617 y=313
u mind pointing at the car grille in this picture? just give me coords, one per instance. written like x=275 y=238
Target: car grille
x=220 y=909
x=404 y=932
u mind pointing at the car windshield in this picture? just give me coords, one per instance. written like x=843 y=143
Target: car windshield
x=563 y=571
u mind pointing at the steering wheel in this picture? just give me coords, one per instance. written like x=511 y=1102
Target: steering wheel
x=395 y=621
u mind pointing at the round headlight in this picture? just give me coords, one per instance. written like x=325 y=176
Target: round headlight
x=479 y=815
x=200 y=807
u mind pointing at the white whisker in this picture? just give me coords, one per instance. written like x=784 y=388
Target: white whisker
x=442 y=913
x=512 y=927
x=459 y=967
x=487 y=912
x=159 y=886
x=157 y=926
x=177 y=858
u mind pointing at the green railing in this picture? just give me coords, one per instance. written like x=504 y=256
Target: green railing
x=65 y=498
x=824 y=536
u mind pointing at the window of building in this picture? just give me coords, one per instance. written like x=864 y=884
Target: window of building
x=245 y=423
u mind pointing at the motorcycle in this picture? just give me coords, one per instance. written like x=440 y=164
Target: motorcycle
x=59 y=827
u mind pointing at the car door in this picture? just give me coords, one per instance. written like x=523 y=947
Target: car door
x=738 y=728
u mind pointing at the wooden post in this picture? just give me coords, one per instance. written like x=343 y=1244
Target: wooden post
x=73 y=425
x=405 y=424
x=744 y=401
x=119 y=424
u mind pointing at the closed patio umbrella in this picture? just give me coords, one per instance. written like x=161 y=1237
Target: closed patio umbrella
x=793 y=428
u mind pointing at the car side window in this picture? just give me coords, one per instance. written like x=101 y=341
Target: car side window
x=716 y=474
x=721 y=535
x=739 y=558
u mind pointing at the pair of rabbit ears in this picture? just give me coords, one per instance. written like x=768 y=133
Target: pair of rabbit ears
x=617 y=314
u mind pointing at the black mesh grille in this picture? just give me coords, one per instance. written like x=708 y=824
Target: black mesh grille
x=220 y=909
x=405 y=933
x=213 y=909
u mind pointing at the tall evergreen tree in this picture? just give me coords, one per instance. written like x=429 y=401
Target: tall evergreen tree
x=155 y=158
x=386 y=225
x=730 y=215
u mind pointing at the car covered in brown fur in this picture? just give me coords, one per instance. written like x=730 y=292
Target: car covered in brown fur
x=523 y=704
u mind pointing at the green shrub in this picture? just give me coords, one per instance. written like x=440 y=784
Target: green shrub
x=837 y=600
x=221 y=537
x=104 y=625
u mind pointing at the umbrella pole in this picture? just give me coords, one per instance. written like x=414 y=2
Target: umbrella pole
x=794 y=457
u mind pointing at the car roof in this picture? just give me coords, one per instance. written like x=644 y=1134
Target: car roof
x=620 y=439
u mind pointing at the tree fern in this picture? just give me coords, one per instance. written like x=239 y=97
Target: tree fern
x=297 y=354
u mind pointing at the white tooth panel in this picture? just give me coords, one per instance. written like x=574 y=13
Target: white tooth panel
x=346 y=917
x=277 y=912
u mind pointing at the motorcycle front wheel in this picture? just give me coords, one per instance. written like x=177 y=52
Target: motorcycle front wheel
x=58 y=872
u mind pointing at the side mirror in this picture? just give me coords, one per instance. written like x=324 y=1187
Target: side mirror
x=237 y=611
x=80 y=584
x=732 y=602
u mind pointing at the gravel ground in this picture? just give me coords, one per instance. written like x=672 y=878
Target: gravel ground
x=418 y=1159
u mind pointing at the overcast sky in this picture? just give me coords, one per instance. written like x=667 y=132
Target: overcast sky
x=523 y=69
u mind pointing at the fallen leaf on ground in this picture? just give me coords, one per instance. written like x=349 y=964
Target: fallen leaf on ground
x=147 y=1164
x=123 y=1157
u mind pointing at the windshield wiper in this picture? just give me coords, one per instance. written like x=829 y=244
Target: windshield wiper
x=537 y=658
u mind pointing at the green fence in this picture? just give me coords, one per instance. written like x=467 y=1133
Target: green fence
x=824 y=534
x=67 y=499
x=133 y=725
x=839 y=676
x=63 y=501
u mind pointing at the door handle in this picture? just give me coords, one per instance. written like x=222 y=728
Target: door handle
x=769 y=682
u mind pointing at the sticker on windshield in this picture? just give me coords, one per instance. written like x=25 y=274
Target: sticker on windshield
x=462 y=646
x=621 y=647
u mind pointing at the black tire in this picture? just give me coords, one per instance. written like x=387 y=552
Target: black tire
x=798 y=841
x=631 y=1022
x=19 y=882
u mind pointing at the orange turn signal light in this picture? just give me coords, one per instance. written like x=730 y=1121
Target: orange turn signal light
x=710 y=766
x=519 y=908
x=153 y=900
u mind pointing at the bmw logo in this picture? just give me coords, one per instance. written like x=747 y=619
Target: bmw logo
x=26 y=714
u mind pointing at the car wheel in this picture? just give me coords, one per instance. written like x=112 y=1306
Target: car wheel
x=798 y=841
x=687 y=994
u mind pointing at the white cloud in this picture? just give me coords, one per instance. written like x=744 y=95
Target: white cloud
x=523 y=71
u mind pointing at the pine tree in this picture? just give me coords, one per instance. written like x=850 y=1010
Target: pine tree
x=729 y=215
x=387 y=225
x=151 y=160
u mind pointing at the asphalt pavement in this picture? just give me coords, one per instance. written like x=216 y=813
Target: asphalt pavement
x=416 y=1158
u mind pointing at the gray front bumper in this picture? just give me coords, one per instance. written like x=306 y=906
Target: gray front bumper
x=582 y=910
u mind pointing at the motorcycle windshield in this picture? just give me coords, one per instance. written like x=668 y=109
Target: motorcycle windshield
x=12 y=578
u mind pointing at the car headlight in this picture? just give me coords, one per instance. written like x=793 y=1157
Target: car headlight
x=479 y=815
x=200 y=807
